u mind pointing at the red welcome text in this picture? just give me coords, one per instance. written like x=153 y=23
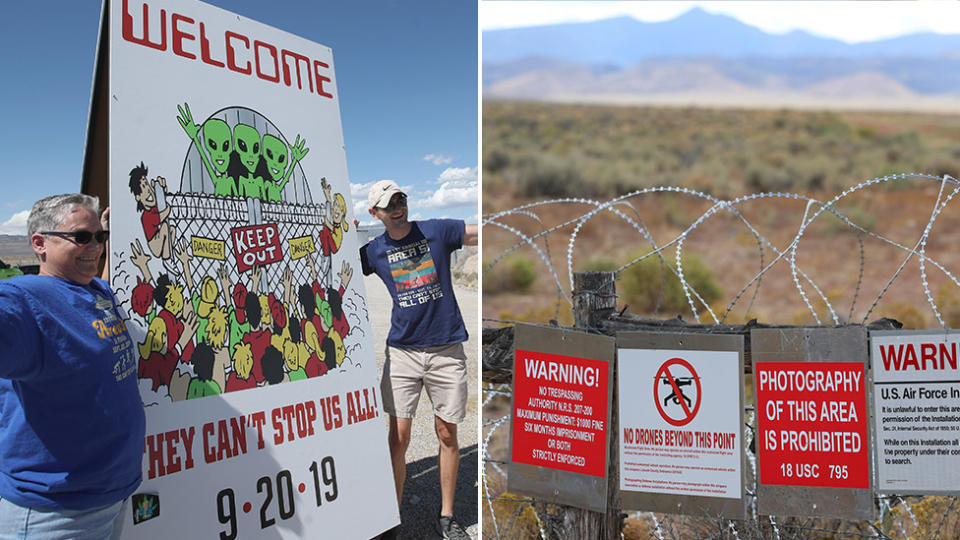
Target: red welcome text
x=191 y=39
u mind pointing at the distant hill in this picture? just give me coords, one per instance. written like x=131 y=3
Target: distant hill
x=895 y=77
x=703 y=57
x=15 y=246
x=624 y=41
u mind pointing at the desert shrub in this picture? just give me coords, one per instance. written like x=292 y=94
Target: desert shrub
x=908 y=314
x=544 y=314
x=857 y=213
x=513 y=274
x=495 y=161
x=948 y=302
x=549 y=176
x=600 y=264
x=650 y=287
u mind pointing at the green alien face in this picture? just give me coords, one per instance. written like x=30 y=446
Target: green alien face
x=275 y=153
x=248 y=145
x=219 y=142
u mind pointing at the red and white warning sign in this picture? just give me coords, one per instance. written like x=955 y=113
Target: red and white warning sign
x=680 y=415
x=812 y=424
x=560 y=412
x=916 y=397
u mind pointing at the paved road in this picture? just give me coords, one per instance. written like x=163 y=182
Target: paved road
x=421 y=496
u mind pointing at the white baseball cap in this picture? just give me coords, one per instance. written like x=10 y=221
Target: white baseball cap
x=382 y=192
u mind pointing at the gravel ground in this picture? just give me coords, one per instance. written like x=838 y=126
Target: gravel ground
x=421 y=494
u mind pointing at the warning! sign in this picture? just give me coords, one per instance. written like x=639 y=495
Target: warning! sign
x=560 y=412
x=917 y=411
x=680 y=413
x=812 y=424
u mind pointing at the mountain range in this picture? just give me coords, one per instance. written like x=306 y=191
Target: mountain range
x=711 y=56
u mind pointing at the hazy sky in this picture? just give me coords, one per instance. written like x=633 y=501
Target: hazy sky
x=847 y=21
x=407 y=83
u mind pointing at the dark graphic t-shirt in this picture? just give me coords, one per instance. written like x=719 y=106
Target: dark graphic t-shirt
x=416 y=271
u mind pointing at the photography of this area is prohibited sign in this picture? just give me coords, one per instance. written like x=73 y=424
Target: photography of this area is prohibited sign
x=676 y=391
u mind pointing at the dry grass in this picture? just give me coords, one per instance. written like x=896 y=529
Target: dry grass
x=16 y=260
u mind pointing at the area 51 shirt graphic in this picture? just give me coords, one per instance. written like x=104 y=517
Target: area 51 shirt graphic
x=414 y=274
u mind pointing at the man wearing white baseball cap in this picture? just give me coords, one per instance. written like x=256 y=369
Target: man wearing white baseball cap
x=425 y=344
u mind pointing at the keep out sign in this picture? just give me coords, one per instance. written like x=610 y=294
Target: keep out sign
x=560 y=412
x=256 y=245
x=812 y=426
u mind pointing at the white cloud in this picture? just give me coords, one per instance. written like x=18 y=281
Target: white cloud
x=437 y=159
x=458 y=187
x=17 y=224
x=458 y=175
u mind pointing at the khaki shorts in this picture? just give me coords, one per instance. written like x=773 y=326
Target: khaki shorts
x=442 y=370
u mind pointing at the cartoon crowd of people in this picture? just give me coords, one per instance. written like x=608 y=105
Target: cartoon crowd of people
x=217 y=336
x=235 y=335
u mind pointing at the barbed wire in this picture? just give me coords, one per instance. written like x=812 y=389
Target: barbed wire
x=896 y=515
x=789 y=254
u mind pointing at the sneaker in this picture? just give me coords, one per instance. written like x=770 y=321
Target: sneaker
x=448 y=527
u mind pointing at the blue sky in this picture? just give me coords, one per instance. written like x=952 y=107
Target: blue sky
x=407 y=82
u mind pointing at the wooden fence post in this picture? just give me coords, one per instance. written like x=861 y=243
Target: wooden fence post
x=594 y=299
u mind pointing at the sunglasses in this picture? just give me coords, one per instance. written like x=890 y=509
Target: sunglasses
x=80 y=237
x=401 y=200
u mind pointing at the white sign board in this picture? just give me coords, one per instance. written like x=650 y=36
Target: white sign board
x=680 y=420
x=236 y=262
x=916 y=389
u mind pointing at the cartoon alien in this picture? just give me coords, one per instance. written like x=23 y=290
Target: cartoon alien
x=247 y=140
x=275 y=156
x=218 y=142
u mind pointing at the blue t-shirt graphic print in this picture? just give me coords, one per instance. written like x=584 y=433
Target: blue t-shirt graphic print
x=414 y=274
x=416 y=271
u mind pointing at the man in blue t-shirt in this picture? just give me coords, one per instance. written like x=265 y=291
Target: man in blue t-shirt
x=425 y=344
x=71 y=418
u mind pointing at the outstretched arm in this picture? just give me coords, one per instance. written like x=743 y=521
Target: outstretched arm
x=346 y=273
x=139 y=258
x=184 y=256
x=105 y=225
x=471 y=236
x=190 y=326
x=255 y=279
x=326 y=193
x=297 y=152
x=193 y=131
x=287 y=280
x=313 y=268
x=225 y=286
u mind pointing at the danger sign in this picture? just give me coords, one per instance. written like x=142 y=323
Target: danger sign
x=670 y=380
x=812 y=428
